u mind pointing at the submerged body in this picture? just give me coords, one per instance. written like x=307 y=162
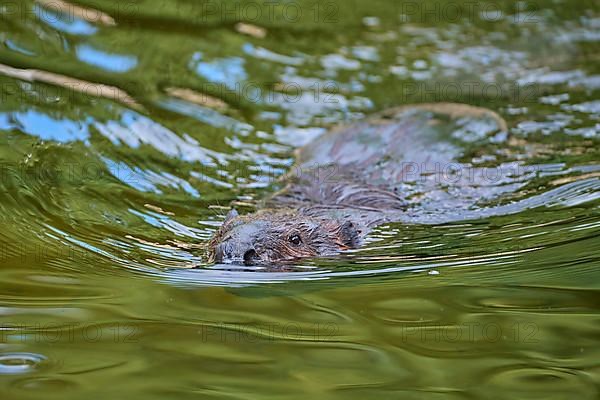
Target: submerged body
x=356 y=177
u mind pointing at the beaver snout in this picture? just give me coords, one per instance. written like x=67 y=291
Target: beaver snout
x=227 y=253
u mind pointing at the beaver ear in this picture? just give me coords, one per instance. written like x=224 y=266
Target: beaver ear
x=350 y=235
x=231 y=215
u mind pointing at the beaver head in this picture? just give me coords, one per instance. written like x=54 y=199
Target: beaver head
x=279 y=236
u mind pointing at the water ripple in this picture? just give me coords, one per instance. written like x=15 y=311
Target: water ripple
x=20 y=363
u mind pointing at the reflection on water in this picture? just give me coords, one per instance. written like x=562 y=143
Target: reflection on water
x=107 y=61
x=19 y=363
x=127 y=130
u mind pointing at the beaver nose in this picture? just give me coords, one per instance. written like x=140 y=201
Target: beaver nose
x=227 y=252
x=250 y=257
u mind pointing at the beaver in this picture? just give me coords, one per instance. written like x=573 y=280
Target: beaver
x=354 y=178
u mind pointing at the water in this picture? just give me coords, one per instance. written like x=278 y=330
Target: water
x=108 y=197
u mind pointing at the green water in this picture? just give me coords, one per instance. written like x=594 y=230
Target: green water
x=107 y=201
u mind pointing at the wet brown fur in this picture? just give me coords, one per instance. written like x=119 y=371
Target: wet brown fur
x=329 y=215
x=271 y=243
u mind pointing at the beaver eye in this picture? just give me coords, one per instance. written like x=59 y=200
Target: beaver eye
x=295 y=239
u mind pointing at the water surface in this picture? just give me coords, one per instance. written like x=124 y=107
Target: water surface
x=111 y=184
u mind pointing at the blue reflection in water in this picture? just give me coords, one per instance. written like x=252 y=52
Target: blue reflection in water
x=147 y=180
x=15 y=47
x=227 y=71
x=41 y=125
x=110 y=62
x=206 y=115
x=134 y=130
x=64 y=23
x=164 y=222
